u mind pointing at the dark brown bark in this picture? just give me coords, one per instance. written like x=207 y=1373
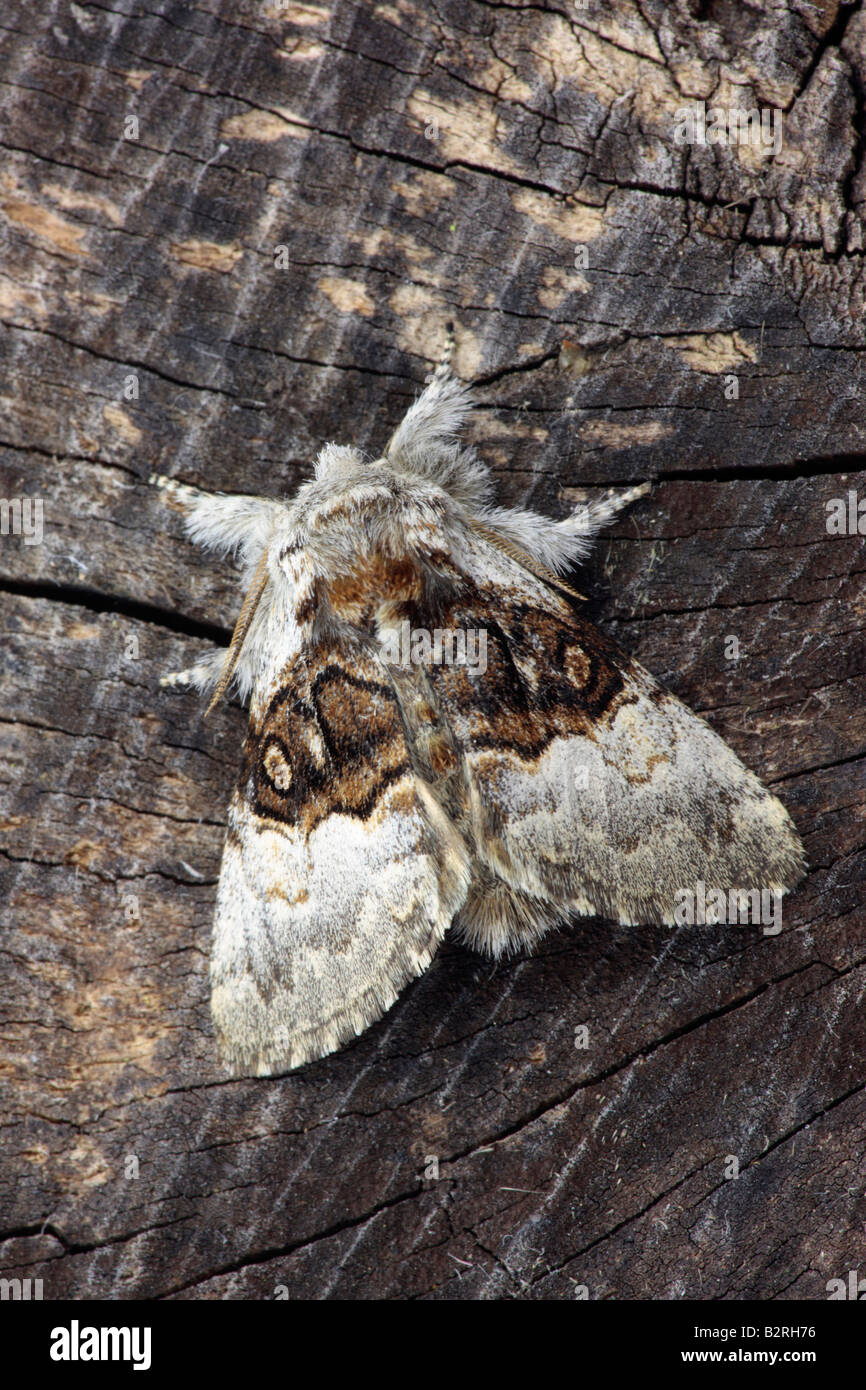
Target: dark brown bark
x=422 y=163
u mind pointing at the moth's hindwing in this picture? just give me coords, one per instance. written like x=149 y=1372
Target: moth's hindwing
x=593 y=789
x=340 y=872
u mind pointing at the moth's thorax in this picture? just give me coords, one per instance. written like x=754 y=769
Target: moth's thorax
x=355 y=488
x=376 y=584
x=357 y=542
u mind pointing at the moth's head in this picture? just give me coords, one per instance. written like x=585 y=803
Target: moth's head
x=423 y=450
x=337 y=463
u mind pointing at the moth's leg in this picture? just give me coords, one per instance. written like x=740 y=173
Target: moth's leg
x=184 y=492
x=203 y=675
x=224 y=522
x=589 y=519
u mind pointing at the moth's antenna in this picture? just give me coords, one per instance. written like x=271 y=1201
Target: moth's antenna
x=520 y=557
x=242 y=627
x=444 y=368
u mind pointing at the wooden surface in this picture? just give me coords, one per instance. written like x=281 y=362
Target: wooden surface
x=420 y=163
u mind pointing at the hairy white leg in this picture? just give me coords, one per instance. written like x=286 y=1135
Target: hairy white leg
x=203 y=675
x=588 y=520
x=185 y=492
x=222 y=522
x=560 y=544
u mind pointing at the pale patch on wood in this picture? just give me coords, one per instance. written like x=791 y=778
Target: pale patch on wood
x=511 y=429
x=349 y=296
x=399 y=12
x=302 y=51
x=628 y=30
x=465 y=131
x=92 y=301
x=53 y=972
x=207 y=255
x=29 y=304
x=753 y=154
x=411 y=299
x=694 y=79
x=614 y=435
x=609 y=70
x=301 y=15
x=120 y=421
x=264 y=126
x=70 y=198
x=16 y=300
x=38 y=1155
x=85 y=1165
x=425 y=191
x=422 y=329
x=136 y=77
x=747 y=88
x=387 y=240
x=434 y=1126
x=574 y=359
x=557 y=284
x=713 y=352
x=43 y=223
x=574 y=222
x=83 y=854
x=389 y=12
x=84 y=443
x=501 y=82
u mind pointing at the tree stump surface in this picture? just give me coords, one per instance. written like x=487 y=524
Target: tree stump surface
x=631 y=308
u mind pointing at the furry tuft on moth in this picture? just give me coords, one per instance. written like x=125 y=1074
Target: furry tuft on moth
x=392 y=790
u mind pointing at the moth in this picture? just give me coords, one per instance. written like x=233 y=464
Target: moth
x=390 y=793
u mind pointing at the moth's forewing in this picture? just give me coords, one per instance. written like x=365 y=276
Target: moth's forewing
x=338 y=881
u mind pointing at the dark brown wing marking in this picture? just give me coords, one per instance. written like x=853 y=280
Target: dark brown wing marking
x=547 y=675
x=330 y=741
x=593 y=786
